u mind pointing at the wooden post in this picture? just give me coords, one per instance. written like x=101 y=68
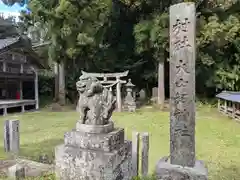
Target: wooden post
x=4 y=66
x=219 y=104
x=145 y=151
x=56 y=85
x=161 y=88
x=21 y=84
x=233 y=109
x=225 y=106
x=23 y=108
x=62 y=93
x=119 y=98
x=21 y=89
x=4 y=111
x=135 y=153
x=237 y=112
x=36 y=89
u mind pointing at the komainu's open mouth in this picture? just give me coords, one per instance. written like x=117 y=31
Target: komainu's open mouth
x=81 y=86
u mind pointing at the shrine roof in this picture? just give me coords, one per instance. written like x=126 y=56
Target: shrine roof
x=8 y=42
x=23 y=46
x=229 y=96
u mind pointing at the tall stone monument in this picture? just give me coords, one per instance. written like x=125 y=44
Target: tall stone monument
x=95 y=150
x=182 y=164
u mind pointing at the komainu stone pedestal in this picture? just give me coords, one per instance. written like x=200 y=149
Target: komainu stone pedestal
x=167 y=171
x=94 y=152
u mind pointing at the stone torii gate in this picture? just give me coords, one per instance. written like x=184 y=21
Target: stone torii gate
x=109 y=83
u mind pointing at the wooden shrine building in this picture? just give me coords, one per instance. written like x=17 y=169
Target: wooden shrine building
x=19 y=66
x=229 y=104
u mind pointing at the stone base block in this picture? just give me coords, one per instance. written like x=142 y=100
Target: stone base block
x=130 y=108
x=88 y=128
x=74 y=163
x=167 y=171
x=105 y=142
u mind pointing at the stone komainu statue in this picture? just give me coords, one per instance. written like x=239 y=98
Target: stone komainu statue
x=95 y=103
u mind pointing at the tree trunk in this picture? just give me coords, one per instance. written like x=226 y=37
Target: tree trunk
x=161 y=87
x=62 y=92
x=56 y=76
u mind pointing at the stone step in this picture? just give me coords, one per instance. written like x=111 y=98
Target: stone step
x=32 y=168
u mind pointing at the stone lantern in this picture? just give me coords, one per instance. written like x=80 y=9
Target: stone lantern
x=129 y=101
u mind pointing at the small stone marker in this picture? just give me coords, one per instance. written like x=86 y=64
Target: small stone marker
x=11 y=136
x=6 y=136
x=16 y=172
x=145 y=151
x=154 y=92
x=135 y=153
x=161 y=83
x=20 y=173
x=19 y=168
x=142 y=95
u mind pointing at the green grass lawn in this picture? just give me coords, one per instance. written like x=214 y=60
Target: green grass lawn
x=217 y=137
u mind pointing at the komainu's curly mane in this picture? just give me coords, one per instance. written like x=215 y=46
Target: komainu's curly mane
x=96 y=103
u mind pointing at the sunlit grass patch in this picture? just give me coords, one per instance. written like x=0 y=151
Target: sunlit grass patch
x=217 y=137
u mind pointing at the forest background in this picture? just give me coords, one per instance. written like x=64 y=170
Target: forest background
x=119 y=35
